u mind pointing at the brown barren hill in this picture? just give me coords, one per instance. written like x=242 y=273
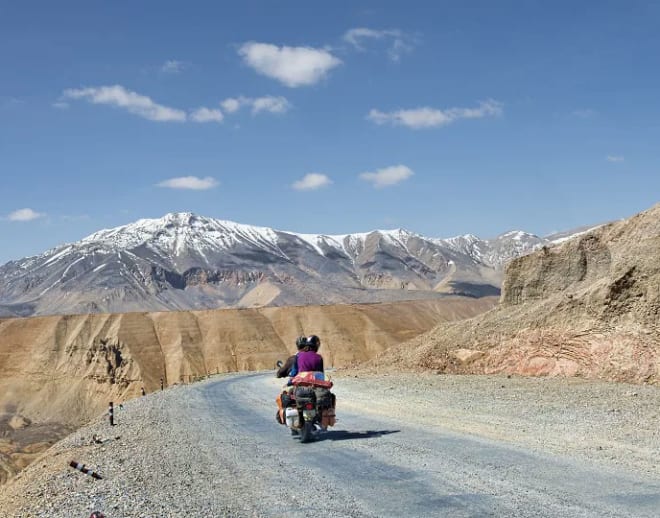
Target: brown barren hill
x=57 y=372
x=588 y=307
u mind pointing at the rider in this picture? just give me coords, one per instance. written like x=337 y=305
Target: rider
x=309 y=360
x=290 y=367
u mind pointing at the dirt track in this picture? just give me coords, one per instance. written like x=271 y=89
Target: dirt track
x=433 y=446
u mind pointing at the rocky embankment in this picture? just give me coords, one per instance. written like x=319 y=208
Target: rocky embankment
x=589 y=307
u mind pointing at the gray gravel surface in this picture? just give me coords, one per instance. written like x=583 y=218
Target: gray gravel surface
x=404 y=446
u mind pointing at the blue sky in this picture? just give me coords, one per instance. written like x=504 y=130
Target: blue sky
x=444 y=118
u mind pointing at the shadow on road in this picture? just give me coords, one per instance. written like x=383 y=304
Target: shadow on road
x=344 y=435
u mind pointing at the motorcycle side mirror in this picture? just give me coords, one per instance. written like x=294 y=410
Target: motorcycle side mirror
x=279 y=363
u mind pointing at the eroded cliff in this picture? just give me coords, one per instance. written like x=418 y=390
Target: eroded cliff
x=589 y=307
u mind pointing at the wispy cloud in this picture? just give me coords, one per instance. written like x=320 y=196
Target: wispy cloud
x=292 y=66
x=615 y=158
x=387 y=176
x=145 y=107
x=132 y=102
x=268 y=103
x=25 y=215
x=173 y=66
x=190 y=182
x=206 y=115
x=311 y=181
x=399 y=42
x=426 y=117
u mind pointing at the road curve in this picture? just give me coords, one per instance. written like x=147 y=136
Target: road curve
x=214 y=449
x=391 y=466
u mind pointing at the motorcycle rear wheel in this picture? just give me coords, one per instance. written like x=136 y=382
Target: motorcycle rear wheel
x=306 y=431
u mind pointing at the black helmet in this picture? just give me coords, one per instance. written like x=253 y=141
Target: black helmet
x=314 y=342
x=301 y=342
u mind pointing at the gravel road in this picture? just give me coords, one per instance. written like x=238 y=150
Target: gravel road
x=432 y=446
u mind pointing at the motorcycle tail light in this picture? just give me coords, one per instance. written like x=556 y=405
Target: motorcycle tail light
x=309 y=406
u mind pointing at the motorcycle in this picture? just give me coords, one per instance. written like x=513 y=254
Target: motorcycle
x=306 y=406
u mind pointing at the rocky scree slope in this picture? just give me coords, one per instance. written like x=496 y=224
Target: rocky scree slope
x=587 y=307
x=184 y=261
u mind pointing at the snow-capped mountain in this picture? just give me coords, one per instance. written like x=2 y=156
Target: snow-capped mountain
x=185 y=261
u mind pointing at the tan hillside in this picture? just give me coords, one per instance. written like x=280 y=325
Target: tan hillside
x=56 y=372
x=588 y=307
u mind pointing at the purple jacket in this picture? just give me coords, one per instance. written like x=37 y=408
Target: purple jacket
x=309 y=361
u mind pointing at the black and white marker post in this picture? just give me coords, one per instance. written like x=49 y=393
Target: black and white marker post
x=111 y=414
x=161 y=383
x=86 y=471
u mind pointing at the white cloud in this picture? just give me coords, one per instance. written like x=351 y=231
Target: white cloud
x=143 y=106
x=430 y=117
x=416 y=118
x=231 y=105
x=24 y=215
x=387 y=176
x=190 y=182
x=206 y=115
x=268 y=103
x=172 y=66
x=615 y=158
x=133 y=102
x=311 y=182
x=292 y=66
x=400 y=42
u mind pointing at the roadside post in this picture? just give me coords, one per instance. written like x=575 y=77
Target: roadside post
x=86 y=471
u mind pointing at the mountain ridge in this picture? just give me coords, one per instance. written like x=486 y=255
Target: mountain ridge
x=185 y=261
